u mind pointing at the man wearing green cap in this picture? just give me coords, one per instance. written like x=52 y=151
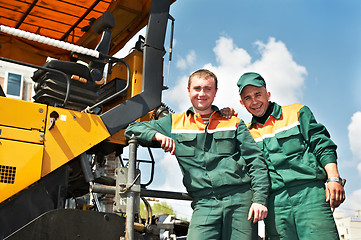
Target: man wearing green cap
x=223 y=169
x=301 y=157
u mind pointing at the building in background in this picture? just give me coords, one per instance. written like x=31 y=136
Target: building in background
x=16 y=81
x=349 y=228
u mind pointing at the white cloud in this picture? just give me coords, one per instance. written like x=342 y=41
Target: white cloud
x=284 y=77
x=229 y=56
x=174 y=182
x=354 y=136
x=183 y=63
x=351 y=204
x=359 y=168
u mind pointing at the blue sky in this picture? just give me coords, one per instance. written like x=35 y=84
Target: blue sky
x=308 y=52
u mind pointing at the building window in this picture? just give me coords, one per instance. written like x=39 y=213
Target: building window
x=14 y=85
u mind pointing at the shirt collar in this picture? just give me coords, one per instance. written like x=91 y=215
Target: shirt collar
x=276 y=113
x=190 y=110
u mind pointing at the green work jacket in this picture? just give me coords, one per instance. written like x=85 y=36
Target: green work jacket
x=295 y=146
x=217 y=159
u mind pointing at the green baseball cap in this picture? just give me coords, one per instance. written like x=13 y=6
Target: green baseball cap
x=250 y=78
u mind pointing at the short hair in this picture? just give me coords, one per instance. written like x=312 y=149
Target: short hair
x=203 y=73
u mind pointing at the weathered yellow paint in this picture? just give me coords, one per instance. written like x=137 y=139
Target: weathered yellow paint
x=22 y=114
x=24 y=135
x=27 y=143
x=22 y=127
x=135 y=61
x=25 y=160
x=72 y=134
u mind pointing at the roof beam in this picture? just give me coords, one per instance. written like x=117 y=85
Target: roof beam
x=26 y=13
x=79 y=20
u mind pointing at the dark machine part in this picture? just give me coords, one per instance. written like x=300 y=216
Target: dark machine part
x=103 y=25
x=153 y=50
x=84 y=83
x=63 y=224
x=2 y=94
x=47 y=194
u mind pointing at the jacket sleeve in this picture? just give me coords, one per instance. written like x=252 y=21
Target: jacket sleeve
x=317 y=137
x=144 y=131
x=257 y=168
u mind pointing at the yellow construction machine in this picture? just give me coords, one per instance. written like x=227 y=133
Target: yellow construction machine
x=62 y=174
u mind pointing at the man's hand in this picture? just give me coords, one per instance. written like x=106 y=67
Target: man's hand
x=335 y=194
x=166 y=143
x=260 y=212
x=228 y=112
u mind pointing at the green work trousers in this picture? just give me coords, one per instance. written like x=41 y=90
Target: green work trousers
x=300 y=213
x=223 y=218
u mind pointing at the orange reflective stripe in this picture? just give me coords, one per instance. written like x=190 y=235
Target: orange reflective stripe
x=181 y=123
x=288 y=120
x=219 y=123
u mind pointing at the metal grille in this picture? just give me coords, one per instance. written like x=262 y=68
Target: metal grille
x=7 y=174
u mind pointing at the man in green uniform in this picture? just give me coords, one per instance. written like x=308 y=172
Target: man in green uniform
x=223 y=169
x=301 y=157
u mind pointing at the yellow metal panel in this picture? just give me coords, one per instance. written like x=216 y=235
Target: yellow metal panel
x=24 y=135
x=135 y=62
x=22 y=114
x=72 y=134
x=20 y=166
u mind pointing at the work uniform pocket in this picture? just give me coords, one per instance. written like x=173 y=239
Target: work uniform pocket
x=225 y=142
x=291 y=141
x=186 y=145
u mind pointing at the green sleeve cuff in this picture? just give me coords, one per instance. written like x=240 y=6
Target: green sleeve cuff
x=328 y=158
x=143 y=134
x=260 y=198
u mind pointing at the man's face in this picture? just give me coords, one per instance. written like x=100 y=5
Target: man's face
x=255 y=100
x=201 y=93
